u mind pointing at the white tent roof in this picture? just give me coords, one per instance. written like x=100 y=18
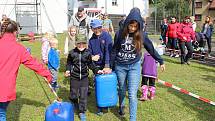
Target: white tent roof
x=56 y=10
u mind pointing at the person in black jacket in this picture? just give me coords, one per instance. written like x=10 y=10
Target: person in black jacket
x=78 y=62
x=126 y=59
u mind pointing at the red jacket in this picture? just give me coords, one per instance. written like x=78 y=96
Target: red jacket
x=12 y=55
x=186 y=30
x=172 y=30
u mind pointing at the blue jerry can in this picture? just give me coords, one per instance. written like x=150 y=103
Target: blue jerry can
x=106 y=90
x=60 y=111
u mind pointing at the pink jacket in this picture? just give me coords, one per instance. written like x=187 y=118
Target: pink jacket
x=45 y=49
x=186 y=31
x=12 y=55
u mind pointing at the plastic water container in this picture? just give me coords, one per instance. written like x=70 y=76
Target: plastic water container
x=60 y=111
x=160 y=49
x=106 y=90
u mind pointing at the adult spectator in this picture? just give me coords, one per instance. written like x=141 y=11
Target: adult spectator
x=122 y=21
x=207 y=30
x=172 y=37
x=81 y=21
x=13 y=55
x=192 y=20
x=107 y=24
x=163 y=28
x=4 y=21
x=186 y=34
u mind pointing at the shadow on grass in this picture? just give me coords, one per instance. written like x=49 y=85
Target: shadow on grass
x=167 y=59
x=204 y=68
x=209 y=78
x=205 y=111
x=63 y=93
x=16 y=106
x=114 y=110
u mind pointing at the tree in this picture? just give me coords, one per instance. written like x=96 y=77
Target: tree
x=167 y=8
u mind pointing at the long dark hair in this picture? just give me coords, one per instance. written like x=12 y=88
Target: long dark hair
x=138 y=36
x=208 y=22
x=8 y=26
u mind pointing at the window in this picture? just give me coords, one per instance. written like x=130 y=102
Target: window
x=198 y=17
x=114 y=2
x=198 y=4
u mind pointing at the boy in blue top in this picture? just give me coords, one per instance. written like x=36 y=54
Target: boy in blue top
x=54 y=62
x=100 y=46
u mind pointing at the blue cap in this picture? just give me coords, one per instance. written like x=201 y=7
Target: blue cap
x=96 y=23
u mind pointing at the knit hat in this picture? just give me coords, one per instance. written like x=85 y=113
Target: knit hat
x=96 y=23
x=80 y=38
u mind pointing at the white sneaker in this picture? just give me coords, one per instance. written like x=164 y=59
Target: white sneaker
x=177 y=55
x=209 y=55
x=171 y=55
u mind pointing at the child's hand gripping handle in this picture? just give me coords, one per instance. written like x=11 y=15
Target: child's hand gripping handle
x=58 y=99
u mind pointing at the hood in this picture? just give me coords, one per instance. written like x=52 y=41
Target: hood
x=134 y=14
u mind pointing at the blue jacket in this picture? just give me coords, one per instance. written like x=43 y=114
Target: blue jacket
x=53 y=59
x=209 y=31
x=101 y=45
x=123 y=51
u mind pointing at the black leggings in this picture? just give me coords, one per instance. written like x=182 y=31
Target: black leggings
x=146 y=79
x=209 y=43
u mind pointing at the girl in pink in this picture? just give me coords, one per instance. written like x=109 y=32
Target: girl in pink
x=46 y=46
x=149 y=74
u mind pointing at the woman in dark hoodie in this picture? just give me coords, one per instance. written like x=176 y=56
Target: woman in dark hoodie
x=126 y=59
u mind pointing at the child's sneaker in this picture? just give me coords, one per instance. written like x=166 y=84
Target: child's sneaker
x=144 y=95
x=55 y=85
x=82 y=116
x=99 y=113
x=152 y=92
x=177 y=55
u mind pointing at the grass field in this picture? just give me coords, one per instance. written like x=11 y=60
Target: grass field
x=33 y=95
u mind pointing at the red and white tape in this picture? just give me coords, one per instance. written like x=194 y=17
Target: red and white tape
x=186 y=92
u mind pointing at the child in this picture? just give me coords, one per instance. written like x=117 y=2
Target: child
x=54 y=62
x=70 y=40
x=78 y=61
x=46 y=46
x=149 y=73
x=100 y=46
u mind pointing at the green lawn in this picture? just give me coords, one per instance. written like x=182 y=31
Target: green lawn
x=33 y=95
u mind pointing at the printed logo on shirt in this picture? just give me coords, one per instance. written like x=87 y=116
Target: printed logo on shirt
x=128 y=45
x=128 y=49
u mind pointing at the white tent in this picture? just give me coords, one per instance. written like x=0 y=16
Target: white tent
x=51 y=16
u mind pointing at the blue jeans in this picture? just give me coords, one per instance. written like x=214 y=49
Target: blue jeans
x=3 y=109
x=130 y=73
x=54 y=74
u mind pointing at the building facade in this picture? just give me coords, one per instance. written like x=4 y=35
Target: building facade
x=204 y=8
x=110 y=6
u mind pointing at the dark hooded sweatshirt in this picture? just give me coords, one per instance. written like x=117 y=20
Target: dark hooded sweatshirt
x=124 y=51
